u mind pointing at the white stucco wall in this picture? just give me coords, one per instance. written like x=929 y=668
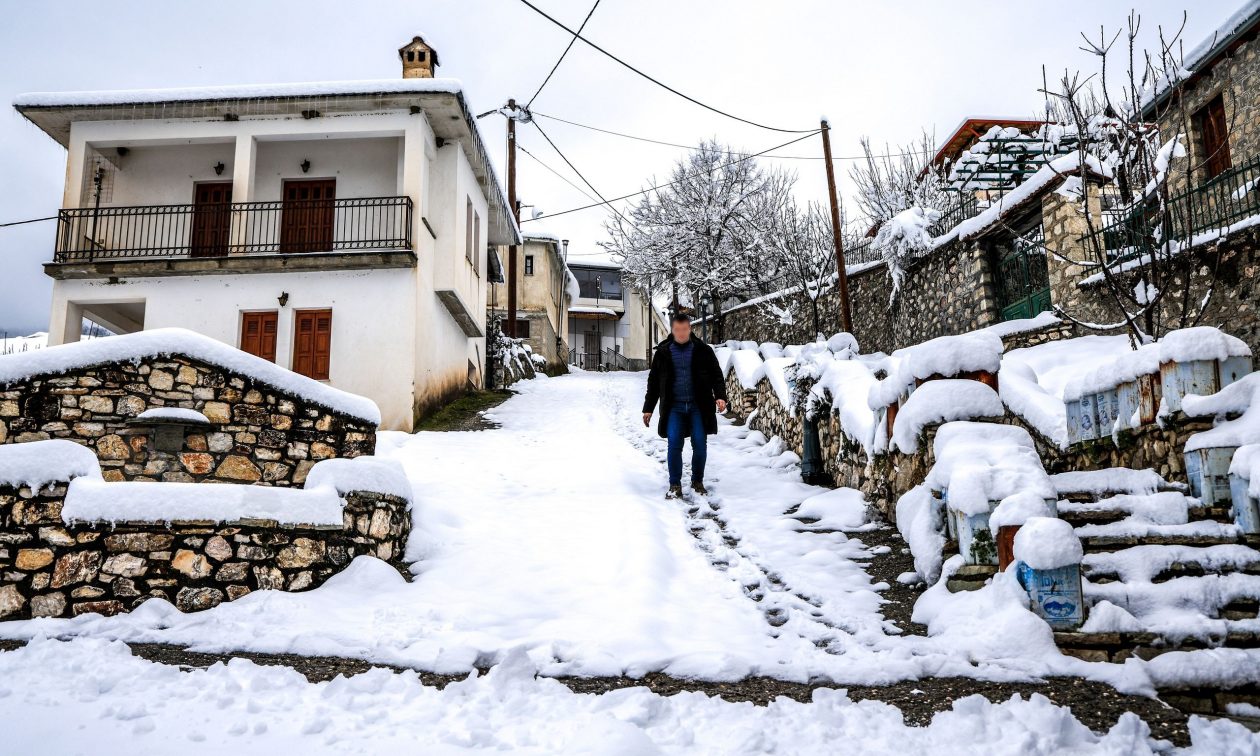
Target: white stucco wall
x=373 y=320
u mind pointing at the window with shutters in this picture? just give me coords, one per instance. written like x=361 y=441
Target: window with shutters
x=1214 y=136
x=476 y=260
x=312 y=343
x=258 y=334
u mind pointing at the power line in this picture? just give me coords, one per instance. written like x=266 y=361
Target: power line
x=658 y=82
x=561 y=58
x=558 y=175
x=579 y=173
x=675 y=181
x=692 y=146
x=32 y=220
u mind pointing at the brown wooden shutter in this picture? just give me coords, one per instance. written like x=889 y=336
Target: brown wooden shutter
x=258 y=334
x=312 y=343
x=1214 y=132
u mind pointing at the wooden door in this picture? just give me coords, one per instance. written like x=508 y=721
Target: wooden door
x=312 y=343
x=258 y=334
x=212 y=219
x=1215 y=134
x=306 y=222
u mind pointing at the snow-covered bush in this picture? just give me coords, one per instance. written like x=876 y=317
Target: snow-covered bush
x=902 y=238
x=515 y=355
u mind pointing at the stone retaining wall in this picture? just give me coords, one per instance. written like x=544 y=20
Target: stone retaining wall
x=50 y=569
x=740 y=401
x=257 y=433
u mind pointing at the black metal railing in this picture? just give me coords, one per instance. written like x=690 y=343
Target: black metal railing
x=1212 y=206
x=221 y=229
x=967 y=207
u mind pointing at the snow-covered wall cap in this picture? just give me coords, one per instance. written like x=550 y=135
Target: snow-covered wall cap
x=236 y=92
x=1200 y=343
x=173 y=414
x=38 y=463
x=94 y=500
x=373 y=474
x=1017 y=509
x=1242 y=396
x=1125 y=368
x=749 y=368
x=941 y=402
x=775 y=371
x=162 y=342
x=1047 y=543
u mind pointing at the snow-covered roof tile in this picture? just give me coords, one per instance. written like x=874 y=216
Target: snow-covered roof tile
x=162 y=342
x=233 y=92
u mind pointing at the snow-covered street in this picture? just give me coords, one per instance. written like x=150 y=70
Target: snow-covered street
x=546 y=547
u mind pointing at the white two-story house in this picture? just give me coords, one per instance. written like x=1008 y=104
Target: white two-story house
x=611 y=326
x=340 y=229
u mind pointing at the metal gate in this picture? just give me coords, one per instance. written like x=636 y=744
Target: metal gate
x=1023 y=278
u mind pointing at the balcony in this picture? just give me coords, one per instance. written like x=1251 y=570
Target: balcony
x=218 y=231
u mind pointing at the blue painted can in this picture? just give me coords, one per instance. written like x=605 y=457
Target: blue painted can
x=1207 y=470
x=1246 y=508
x=1055 y=594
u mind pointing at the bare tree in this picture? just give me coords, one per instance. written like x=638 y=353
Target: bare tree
x=703 y=234
x=898 y=179
x=801 y=250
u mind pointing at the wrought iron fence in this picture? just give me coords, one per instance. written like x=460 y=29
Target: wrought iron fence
x=220 y=229
x=864 y=251
x=1212 y=206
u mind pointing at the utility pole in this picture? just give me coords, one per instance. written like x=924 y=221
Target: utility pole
x=516 y=214
x=842 y=277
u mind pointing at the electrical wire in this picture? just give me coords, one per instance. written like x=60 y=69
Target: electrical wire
x=32 y=220
x=569 y=47
x=624 y=135
x=558 y=174
x=658 y=82
x=579 y=173
x=675 y=181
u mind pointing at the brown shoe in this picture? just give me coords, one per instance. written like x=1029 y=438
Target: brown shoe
x=699 y=488
x=674 y=492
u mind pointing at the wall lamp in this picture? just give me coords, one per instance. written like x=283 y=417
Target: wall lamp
x=218 y=168
x=283 y=299
x=306 y=165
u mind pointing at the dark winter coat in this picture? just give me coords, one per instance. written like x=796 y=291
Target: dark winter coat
x=707 y=385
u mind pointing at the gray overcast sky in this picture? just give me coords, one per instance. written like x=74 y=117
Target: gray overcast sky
x=883 y=69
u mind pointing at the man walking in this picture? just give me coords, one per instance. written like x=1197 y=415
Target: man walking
x=687 y=381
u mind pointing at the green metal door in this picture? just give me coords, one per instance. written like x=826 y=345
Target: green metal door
x=1023 y=278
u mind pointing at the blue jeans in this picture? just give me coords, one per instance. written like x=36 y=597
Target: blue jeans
x=685 y=420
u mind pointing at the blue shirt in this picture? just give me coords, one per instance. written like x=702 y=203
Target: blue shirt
x=681 y=354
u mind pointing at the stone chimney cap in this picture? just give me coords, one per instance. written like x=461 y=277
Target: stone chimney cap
x=418 y=41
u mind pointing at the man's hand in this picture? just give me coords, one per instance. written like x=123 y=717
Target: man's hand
x=721 y=406
x=647 y=419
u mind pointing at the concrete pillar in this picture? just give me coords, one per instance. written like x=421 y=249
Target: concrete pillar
x=243 y=168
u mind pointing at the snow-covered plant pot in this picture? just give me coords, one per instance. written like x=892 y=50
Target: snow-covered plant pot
x=1048 y=556
x=1201 y=360
x=1010 y=515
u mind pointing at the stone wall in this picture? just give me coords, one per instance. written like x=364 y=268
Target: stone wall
x=257 y=433
x=49 y=569
x=946 y=292
x=740 y=402
x=774 y=419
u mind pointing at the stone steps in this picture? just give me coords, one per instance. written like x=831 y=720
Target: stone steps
x=1116 y=647
x=1098 y=544
x=1151 y=563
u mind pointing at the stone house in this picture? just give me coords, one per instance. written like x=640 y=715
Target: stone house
x=355 y=219
x=543 y=295
x=172 y=405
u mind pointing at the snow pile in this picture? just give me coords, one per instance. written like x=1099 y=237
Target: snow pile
x=1125 y=368
x=1246 y=465
x=1242 y=396
x=163 y=342
x=839 y=508
x=723 y=354
x=94 y=500
x=1106 y=617
x=775 y=371
x=842 y=342
x=174 y=414
x=1047 y=543
x=36 y=464
x=1111 y=480
x=904 y=237
x=979 y=463
x=949 y=356
x=770 y=350
x=1024 y=325
x=942 y=401
x=375 y=474
x=1200 y=343
x=749 y=368
x=845 y=386
x=920 y=524
x=1017 y=509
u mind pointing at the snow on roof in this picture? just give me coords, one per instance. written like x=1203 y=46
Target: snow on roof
x=94 y=500
x=1049 y=174
x=592 y=310
x=1206 y=51
x=162 y=342
x=37 y=463
x=174 y=413
x=236 y=92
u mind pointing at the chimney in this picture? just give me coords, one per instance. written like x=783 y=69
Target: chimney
x=418 y=59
